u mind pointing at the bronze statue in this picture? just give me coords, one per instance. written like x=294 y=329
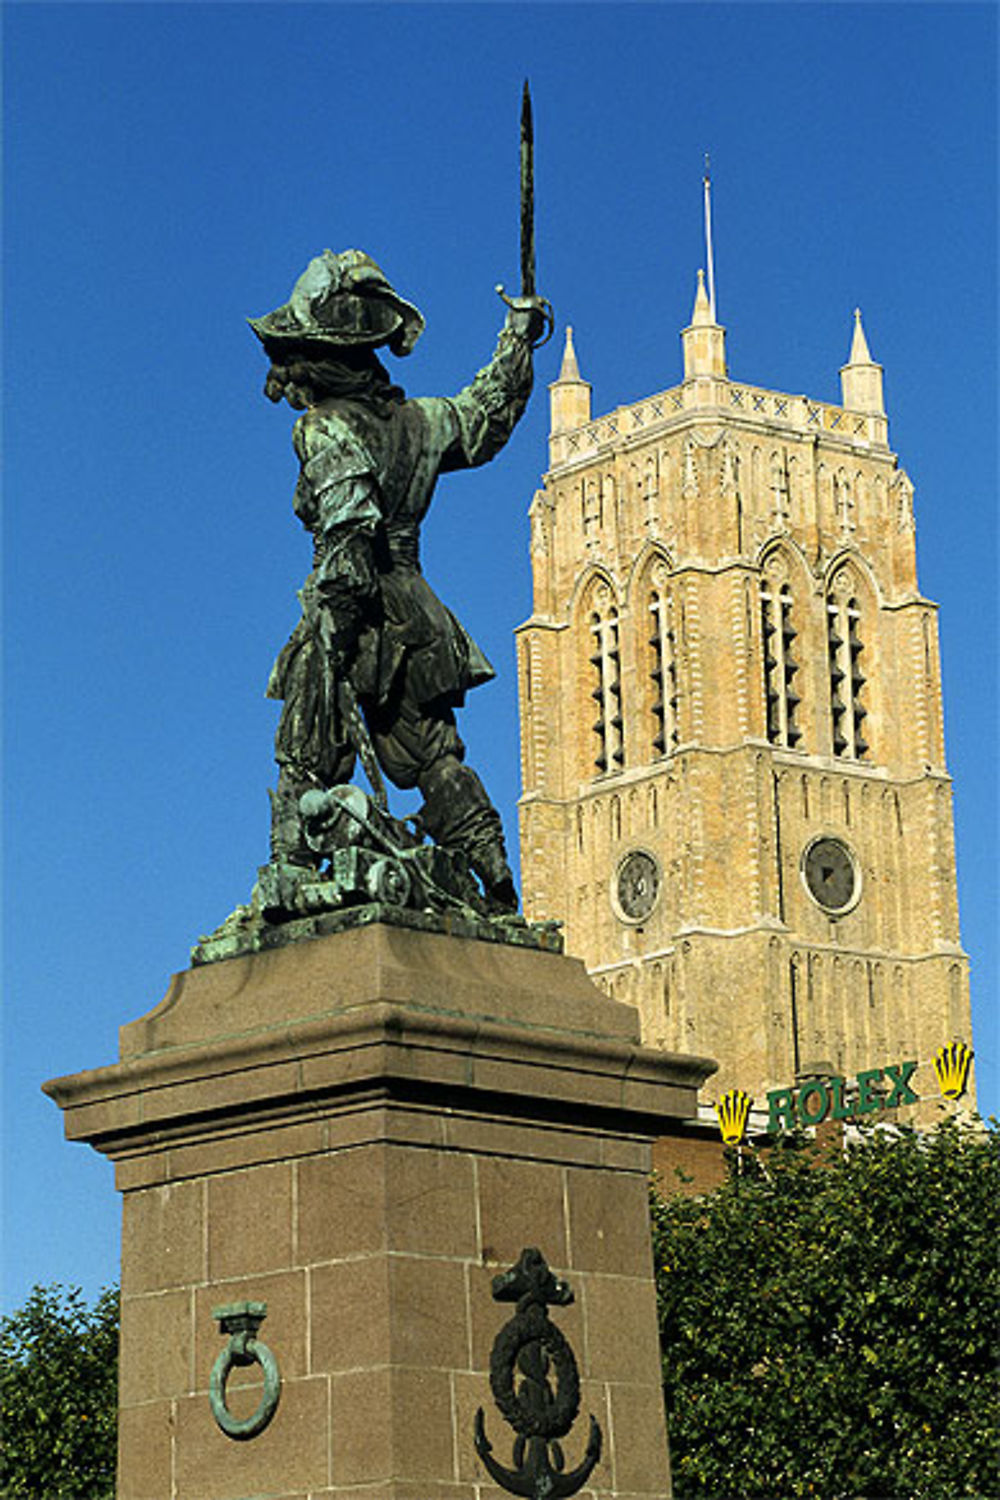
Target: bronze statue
x=377 y=664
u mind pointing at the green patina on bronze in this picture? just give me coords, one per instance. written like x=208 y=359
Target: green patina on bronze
x=377 y=665
x=241 y=1322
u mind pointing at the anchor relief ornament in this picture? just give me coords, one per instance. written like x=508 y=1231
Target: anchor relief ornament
x=536 y=1385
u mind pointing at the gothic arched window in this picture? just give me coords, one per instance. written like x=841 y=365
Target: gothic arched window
x=650 y=494
x=663 y=672
x=847 y=680
x=609 y=753
x=780 y=664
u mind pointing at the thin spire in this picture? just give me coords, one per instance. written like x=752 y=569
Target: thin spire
x=861 y=377
x=702 y=313
x=703 y=340
x=709 y=255
x=569 y=396
x=859 y=354
x=570 y=369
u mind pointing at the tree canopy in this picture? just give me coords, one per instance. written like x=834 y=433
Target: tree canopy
x=58 y=1397
x=829 y=1321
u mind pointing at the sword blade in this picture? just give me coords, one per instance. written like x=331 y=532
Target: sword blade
x=357 y=733
x=527 y=195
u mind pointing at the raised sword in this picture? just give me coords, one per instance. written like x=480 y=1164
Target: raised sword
x=527 y=195
x=528 y=283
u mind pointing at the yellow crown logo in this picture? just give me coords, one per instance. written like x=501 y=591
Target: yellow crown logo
x=951 y=1064
x=733 y=1110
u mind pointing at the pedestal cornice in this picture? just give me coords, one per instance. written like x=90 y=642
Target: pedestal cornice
x=402 y=1031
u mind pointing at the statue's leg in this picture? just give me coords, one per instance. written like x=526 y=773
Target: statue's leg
x=458 y=814
x=310 y=745
x=288 y=845
x=419 y=745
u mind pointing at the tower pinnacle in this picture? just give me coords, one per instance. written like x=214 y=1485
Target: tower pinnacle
x=702 y=315
x=569 y=396
x=859 y=344
x=704 y=340
x=570 y=369
x=861 y=377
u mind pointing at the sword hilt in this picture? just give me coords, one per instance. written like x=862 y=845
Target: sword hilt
x=529 y=304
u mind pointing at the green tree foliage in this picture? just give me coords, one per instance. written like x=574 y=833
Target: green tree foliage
x=829 y=1322
x=58 y=1397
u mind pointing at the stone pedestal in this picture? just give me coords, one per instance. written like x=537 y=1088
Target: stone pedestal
x=360 y=1131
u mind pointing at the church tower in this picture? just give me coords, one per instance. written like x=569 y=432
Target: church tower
x=734 y=786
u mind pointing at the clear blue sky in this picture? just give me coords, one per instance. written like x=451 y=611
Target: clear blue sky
x=169 y=171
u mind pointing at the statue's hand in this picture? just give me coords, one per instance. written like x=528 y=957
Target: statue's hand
x=341 y=584
x=335 y=624
x=530 y=318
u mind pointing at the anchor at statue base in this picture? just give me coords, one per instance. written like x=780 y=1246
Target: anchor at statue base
x=531 y=1346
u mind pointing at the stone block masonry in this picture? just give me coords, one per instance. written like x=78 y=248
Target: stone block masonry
x=361 y=1131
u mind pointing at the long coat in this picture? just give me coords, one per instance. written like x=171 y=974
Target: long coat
x=367 y=477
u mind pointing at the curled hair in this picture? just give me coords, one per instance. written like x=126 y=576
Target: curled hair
x=303 y=378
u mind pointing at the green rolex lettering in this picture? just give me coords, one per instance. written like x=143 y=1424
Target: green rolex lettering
x=841 y=1109
x=813 y=1102
x=868 y=1100
x=900 y=1076
x=780 y=1102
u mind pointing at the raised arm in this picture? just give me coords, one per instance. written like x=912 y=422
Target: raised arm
x=486 y=412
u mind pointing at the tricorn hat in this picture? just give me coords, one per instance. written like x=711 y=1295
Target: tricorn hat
x=340 y=300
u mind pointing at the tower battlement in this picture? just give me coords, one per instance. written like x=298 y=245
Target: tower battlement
x=750 y=408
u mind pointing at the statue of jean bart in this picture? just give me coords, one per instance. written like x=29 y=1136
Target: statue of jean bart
x=377 y=664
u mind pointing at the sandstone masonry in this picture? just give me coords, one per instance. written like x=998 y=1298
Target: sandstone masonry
x=735 y=792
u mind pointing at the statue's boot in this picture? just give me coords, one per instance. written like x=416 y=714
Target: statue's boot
x=288 y=840
x=457 y=814
x=489 y=861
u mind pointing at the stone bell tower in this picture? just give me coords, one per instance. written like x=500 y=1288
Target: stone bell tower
x=735 y=794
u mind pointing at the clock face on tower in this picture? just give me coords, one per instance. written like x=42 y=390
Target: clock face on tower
x=831 y=875
x=636 y=886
